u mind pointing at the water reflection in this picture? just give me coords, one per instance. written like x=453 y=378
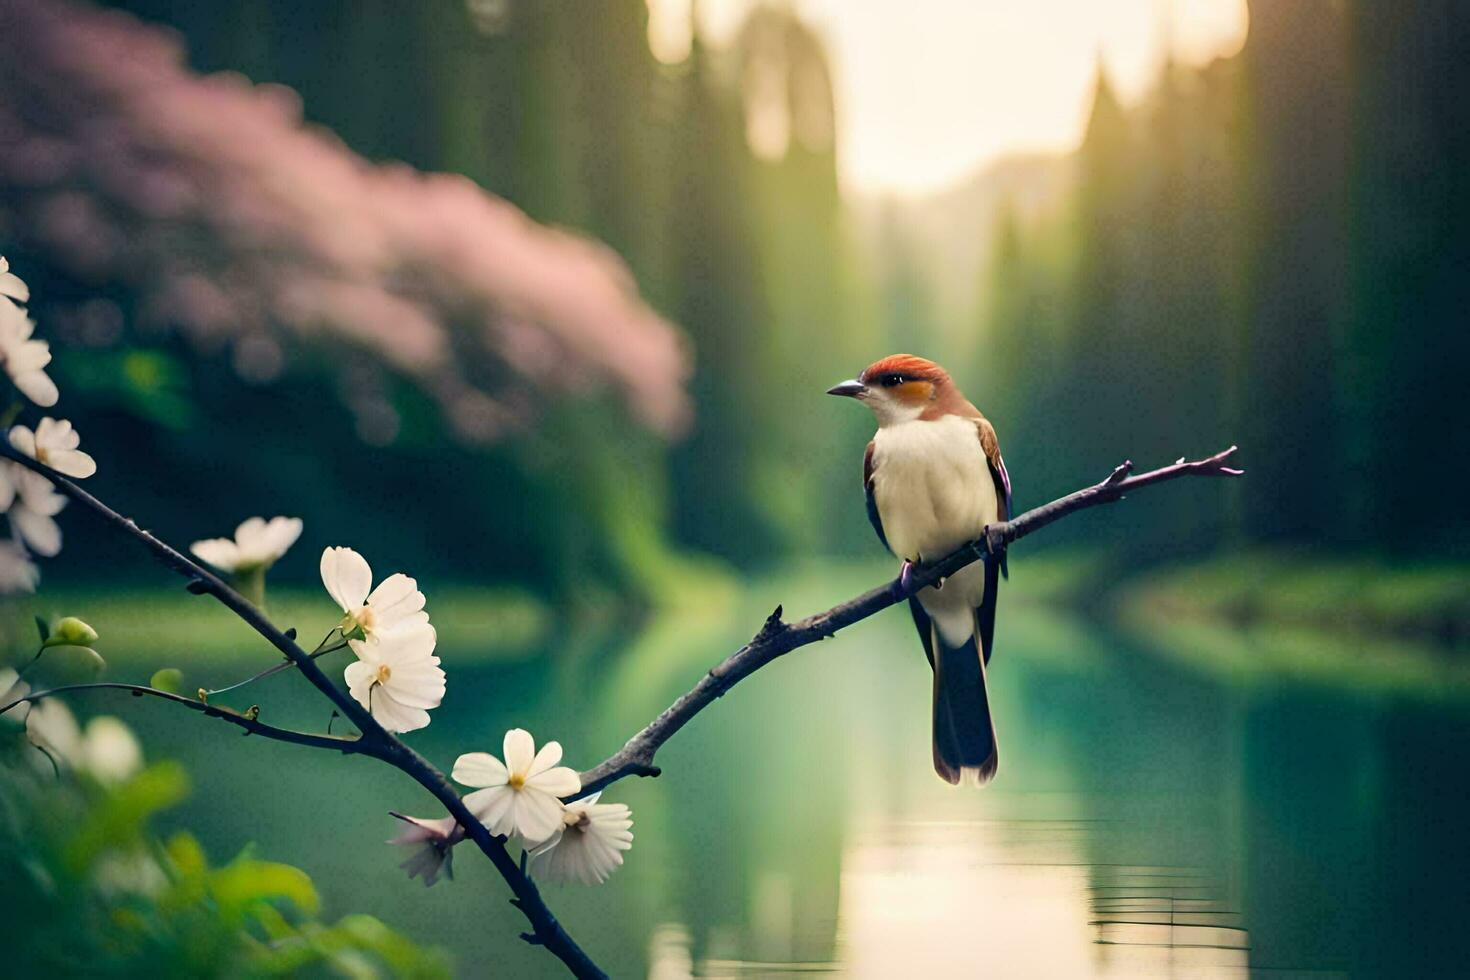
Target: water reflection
x=1146 y=821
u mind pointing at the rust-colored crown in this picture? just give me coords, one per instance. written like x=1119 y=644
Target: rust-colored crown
x=912 y=367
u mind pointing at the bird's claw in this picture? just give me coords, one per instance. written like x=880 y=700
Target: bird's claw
x=995 y=542
x=906 y=578
x=906 y=575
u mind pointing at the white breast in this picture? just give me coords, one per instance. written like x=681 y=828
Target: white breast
x=932 y=485
x=934 y=492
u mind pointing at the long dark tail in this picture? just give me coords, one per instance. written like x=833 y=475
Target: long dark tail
x=964 y=733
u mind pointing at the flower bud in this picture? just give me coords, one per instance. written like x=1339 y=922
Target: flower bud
x=71 y=632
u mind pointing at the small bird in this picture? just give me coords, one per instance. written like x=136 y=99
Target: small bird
x=934 y=478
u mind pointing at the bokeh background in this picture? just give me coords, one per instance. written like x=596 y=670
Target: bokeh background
x=537 y=302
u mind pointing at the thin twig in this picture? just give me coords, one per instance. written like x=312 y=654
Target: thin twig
x=320 y=651
x=337 y=743
x=775 y=638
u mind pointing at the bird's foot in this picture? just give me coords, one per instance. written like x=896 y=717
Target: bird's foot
x=906 y=575
x=995 y=542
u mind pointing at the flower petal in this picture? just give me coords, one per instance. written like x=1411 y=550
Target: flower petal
x=38 y=387
x=537 y=814
x=479 y=769
x=219 y=552
x=281 y=534
x=23 y=439
x=407 y=643
x=54 y=434
x=549 y=842
x=492 y=807
x=418 y=689
x=360 y=677
x=110 y=750
x=549 y=756
x=72 y=462
x=37 y=493
x=347 y=577
x=13 y=286
x=51 y=726
x=560 y=781
x=40 y=533
x=520 y=750
x=423 y=828
x=395 y=599
x=393 y=714
x=249 y=531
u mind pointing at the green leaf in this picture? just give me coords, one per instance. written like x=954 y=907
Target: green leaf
x=71 y=631
x=43 y=628
x=244 y=882
x=170 y=679
x=187 y=856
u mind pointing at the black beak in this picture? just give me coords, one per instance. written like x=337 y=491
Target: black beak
x=849 y=389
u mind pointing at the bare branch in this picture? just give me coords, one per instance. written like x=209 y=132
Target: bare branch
x=775 y=638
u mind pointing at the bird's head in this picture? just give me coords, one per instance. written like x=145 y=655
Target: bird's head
x=900 y=388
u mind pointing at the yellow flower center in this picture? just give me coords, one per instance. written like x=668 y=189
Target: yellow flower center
x=517 y=780
x=366 y=618
x=384 y=672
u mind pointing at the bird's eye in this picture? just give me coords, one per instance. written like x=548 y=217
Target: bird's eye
x=892 y=380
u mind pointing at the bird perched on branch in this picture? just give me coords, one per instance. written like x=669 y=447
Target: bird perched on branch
x=934 y=478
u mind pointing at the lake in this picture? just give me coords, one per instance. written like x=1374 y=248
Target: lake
x=1147 y=819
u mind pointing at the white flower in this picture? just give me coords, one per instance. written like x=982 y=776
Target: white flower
x=11 y=688
x=107 y=749
x=258 y=543
x=434 y=841
x=23 y=357
x=110 y=750
x=522 y=795
x=54 y=443
x=53 y=729
x=396 y=601
x=11 y=284
x=35 y=504
x=17 y=572
x=590 y=844
x=397 y=677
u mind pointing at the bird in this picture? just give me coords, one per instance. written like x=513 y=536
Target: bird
x=934 y=478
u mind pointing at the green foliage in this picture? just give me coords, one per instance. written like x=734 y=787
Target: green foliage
x=170 y=679
x=91 y=891
x=1425 y=601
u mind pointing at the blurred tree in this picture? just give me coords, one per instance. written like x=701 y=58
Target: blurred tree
x=1266 y=249
x=1407 y=345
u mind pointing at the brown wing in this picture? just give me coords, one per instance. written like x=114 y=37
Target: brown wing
x=990 y=442
x=985 y=614
x=874 y=517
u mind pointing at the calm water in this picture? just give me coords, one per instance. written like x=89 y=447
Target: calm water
x=1145 y=822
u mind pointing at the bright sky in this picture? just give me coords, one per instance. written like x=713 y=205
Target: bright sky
x=930 y=90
